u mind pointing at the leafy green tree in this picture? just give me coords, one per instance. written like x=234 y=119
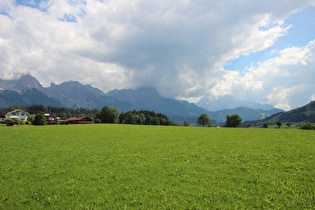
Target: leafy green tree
x=289 y=124
x=204 y=120
x=37 y=109
x=107 y=115
x=186 y=123
x=63 y=115
x=142 y=118
x=233 y=120
x=31 y=117
x=139 y=120
x=113 y=115
x=39 y=119
x=121 y=117
x=265 y=125
x=130 y=118
x=13 y=107
x=156 y=121
x=279 y=124
x=307 y=126
x=97 y=121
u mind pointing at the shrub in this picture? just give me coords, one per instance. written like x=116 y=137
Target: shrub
x=21 y=122
x=307 y=126
x=8 y=120
x=97 y=121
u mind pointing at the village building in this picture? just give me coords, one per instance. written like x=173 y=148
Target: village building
x=51 y=119
x=16 y=114
x=245 y=126
x=77 y=120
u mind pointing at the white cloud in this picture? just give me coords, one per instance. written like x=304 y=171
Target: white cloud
x=178 y=46
x=287 y=81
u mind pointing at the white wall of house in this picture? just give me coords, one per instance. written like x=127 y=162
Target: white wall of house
x=17 y=114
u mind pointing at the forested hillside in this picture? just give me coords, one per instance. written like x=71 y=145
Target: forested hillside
x=299 y=115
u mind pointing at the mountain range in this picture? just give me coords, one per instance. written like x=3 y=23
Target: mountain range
x=299 y=115
x=227 y=102
x=27 y=90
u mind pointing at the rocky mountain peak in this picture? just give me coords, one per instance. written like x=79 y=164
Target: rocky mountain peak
x=26 y=81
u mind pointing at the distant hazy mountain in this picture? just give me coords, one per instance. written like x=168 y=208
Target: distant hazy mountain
x=245 y=113
x=299 y=115
x=228 y=102
x=9 y=97
x=26 y=98
x=149 y=99
x=72 y=94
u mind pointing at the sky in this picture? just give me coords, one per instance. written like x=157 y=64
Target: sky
x=258 y=50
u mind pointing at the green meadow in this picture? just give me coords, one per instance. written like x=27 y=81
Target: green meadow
x=105 y=166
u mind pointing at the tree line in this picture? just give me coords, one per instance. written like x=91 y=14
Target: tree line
x=62 y=112
x=233 y=120
x=104 y=115
x=142 y=117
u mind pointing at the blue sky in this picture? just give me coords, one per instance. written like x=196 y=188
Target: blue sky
x=261 y=51
x=301 y=32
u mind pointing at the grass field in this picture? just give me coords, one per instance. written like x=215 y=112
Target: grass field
x=154 y=167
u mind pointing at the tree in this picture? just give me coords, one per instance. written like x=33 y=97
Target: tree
x=31 y=117
x=307 y=126
x=288 y=124
x=39 y=119
x=204 y=120
x=186 y=123
x=156 y=121
x=279 y=124
x=97 y=121
x=130 y=118
x=233 y=120
x=265 y=125
x=13 y=107
x=107 y=115
x=121 y=117
x=113 y=115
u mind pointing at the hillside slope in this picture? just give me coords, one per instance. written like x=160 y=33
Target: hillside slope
x=299 y=115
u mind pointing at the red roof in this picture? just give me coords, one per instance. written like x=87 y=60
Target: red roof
x=77 y=119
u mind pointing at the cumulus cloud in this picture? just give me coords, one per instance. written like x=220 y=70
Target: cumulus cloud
x=178 y=47
x=286 y=81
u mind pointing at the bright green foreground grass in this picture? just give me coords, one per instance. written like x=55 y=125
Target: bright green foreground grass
x=155 y=167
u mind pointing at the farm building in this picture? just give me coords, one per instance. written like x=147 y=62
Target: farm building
x=51 y=119
x=16 y=114
x=77 y=120
x=245 y=126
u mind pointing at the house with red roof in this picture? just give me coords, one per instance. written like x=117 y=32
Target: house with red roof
x=77 y=120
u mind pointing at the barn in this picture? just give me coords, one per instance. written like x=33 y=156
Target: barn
x=77 y=120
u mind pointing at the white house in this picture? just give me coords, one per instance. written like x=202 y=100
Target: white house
x=15 y=114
